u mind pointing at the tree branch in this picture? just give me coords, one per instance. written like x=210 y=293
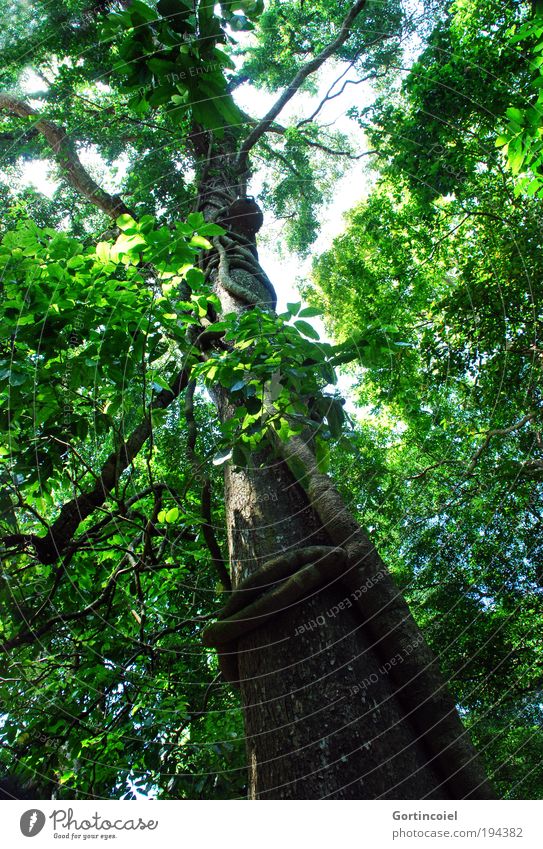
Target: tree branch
x=29 y=636
x=335 y=152
x=51 y=546
x=205 y=496
x=329 y=96
x=67 y=158
x=308 y=69
x=502 y=431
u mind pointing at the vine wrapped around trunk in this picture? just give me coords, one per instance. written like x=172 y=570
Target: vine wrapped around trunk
x=413 y=723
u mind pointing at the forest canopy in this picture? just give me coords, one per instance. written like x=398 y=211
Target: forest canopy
x=170 y=435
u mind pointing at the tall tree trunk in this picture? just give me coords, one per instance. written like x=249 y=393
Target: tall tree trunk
x=321 y=718
x=326 y=715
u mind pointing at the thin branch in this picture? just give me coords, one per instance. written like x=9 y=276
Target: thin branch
x=208 y=534
x=22 y=503
x=425 y=471
x=503 y=431
x=443 y=238
x=285 y=160
x=209 y=688
x=50 y=547
x=334 y=152
x=329 y=96
x=184 y=623
x=122 y=116
x=31 y=635
x=205 y=497
x=280 y=131
x=308 y=69
x=60 y=572
x=76 y=453
x=66 y=156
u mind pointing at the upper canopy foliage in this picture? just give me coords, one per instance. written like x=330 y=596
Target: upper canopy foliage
x=438 y=279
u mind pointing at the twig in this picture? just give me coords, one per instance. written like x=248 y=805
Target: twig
x=50 y=547
x=308 y=69
x=503 y=431
x=328 y=96
x=205 y=496
x=327 y=149
x=29 y=636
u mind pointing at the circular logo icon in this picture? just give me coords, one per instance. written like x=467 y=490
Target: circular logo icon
x=32 y=822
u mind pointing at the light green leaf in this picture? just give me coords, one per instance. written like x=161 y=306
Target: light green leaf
x=103 y=251
x=200 y=242
x=309 y=312
x=125 y=221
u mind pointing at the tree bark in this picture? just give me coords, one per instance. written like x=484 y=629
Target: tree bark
x=326 y=715
x=321 y=718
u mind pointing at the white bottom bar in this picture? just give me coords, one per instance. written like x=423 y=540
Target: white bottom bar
x=273 y=825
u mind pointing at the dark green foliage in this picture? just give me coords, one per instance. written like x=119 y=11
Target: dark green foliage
x=433 y=291
x=435 y=288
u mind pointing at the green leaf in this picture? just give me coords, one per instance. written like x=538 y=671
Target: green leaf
x=515 y=115
x=17 y=378
x=103 y=251
x=335 y=417
x=322 y=455
x=533 y=186
x=241 y=456
x=125 y=221
x=172 y=515
x=211 y=230
x=75 y=262
x=158 y=416
x=195 y=220
x=515 y=156
x=306 y=329
x=309 y=312
x=200 y=242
